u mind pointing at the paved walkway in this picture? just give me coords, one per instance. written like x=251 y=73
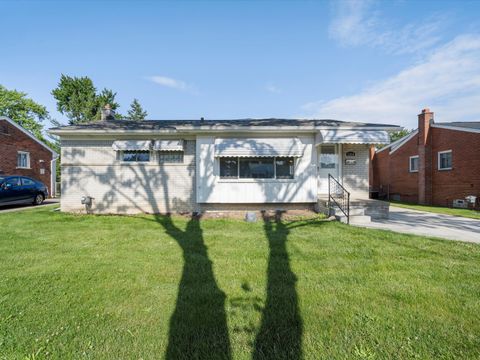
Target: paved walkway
x=11 y=208
x=429 y=224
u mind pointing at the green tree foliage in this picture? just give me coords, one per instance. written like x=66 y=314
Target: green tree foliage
x=23 y=110
x=394 y=136
x=136 y=111
x=77 y=99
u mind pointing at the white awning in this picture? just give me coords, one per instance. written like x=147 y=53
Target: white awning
x=258 y=147
x=340 y=136
x=168 y=145
x=139 y=145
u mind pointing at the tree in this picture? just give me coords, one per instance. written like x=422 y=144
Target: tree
x=24 y=111
x=106 y=97
x=77 y=99
x=396 y=135
x=136 y=111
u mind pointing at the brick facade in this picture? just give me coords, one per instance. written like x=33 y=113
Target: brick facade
x=92 y=168
x=390 y=168
x=13 y=140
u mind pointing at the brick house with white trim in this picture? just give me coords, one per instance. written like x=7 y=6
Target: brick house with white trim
x=436 y=164
x=21 y=153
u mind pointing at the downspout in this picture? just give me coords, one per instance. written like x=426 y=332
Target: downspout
x=53 y=175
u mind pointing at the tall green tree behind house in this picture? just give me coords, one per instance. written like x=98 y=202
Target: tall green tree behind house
x=77 y=99
x=136 y=111
x=396 y=135
x=23 y=110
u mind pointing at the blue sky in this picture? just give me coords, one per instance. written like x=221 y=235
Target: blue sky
x=366 y=60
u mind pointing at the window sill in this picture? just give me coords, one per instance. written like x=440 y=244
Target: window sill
x=23 y=168
x=445 y=169
x=414 y=171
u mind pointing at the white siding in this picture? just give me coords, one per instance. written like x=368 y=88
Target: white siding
x=212 y=189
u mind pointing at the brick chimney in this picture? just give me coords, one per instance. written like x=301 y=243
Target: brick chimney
x=425 y=120
x=107 y=113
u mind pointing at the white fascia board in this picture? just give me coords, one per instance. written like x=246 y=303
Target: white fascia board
x=457 y=128
x=190 y=130
x=26 y=132
x=397 y=142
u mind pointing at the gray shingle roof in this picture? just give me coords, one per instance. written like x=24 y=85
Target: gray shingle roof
x=179 y=124
x=464 y=124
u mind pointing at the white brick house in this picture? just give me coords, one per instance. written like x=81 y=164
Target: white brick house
x=186 y=166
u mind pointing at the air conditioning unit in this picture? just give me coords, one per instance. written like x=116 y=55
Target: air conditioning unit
x=460 y=203
x=471 y=199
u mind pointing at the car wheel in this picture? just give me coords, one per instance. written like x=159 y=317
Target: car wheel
x=38 y=199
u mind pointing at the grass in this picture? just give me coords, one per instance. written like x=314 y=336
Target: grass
x=472 y=214
x=146 y=287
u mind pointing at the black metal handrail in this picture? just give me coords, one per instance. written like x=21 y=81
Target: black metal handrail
x=339 y=195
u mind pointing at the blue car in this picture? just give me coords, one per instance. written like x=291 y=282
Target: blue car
x=17 y=189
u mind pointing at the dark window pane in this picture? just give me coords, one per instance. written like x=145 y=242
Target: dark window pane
x=445 y=160
x=136 y=156
x=228 y=167
x=257 y=168
x=414 y=164
x=13 y=181
x=170 y=157
x=26 y=181
x=284 y=168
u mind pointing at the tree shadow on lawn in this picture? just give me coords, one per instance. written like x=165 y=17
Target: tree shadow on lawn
x=198 y=326
x=280 y=334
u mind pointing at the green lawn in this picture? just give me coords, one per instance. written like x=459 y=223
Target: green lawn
x=112 y=287
x=473 y=214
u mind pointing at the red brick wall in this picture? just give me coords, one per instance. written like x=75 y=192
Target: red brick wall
x=464 y=178
x=13 y=140
x=392 y=169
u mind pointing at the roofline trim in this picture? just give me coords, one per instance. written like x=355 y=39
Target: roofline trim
x=405 y=139
x=26 y=132
x=400 y=141
x=458 y=128
x=60 y=131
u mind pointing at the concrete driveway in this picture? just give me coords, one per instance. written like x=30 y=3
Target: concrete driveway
x=429 y=224
x=11 y=208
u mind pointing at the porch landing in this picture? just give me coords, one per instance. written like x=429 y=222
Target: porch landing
x=361 y=209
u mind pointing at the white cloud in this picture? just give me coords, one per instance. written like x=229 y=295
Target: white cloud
x=170 y=82
x=273 y=89
x=448 y=82
x=358 y=23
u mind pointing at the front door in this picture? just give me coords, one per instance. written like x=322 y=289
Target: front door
x=328 y=163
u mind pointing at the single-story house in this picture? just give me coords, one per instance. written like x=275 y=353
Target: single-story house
x=437 y=164
x=159 y=166
x=21 y=153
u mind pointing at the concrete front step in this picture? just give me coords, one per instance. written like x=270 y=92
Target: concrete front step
x=356 y=219
x=374 y=209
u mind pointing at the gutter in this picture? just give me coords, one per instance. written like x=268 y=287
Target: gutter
x=192 y=130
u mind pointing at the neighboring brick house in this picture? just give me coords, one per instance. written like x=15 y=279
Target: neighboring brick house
x=21 y=153
x=434 y=165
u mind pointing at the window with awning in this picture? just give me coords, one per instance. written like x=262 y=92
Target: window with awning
x=258 y=147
